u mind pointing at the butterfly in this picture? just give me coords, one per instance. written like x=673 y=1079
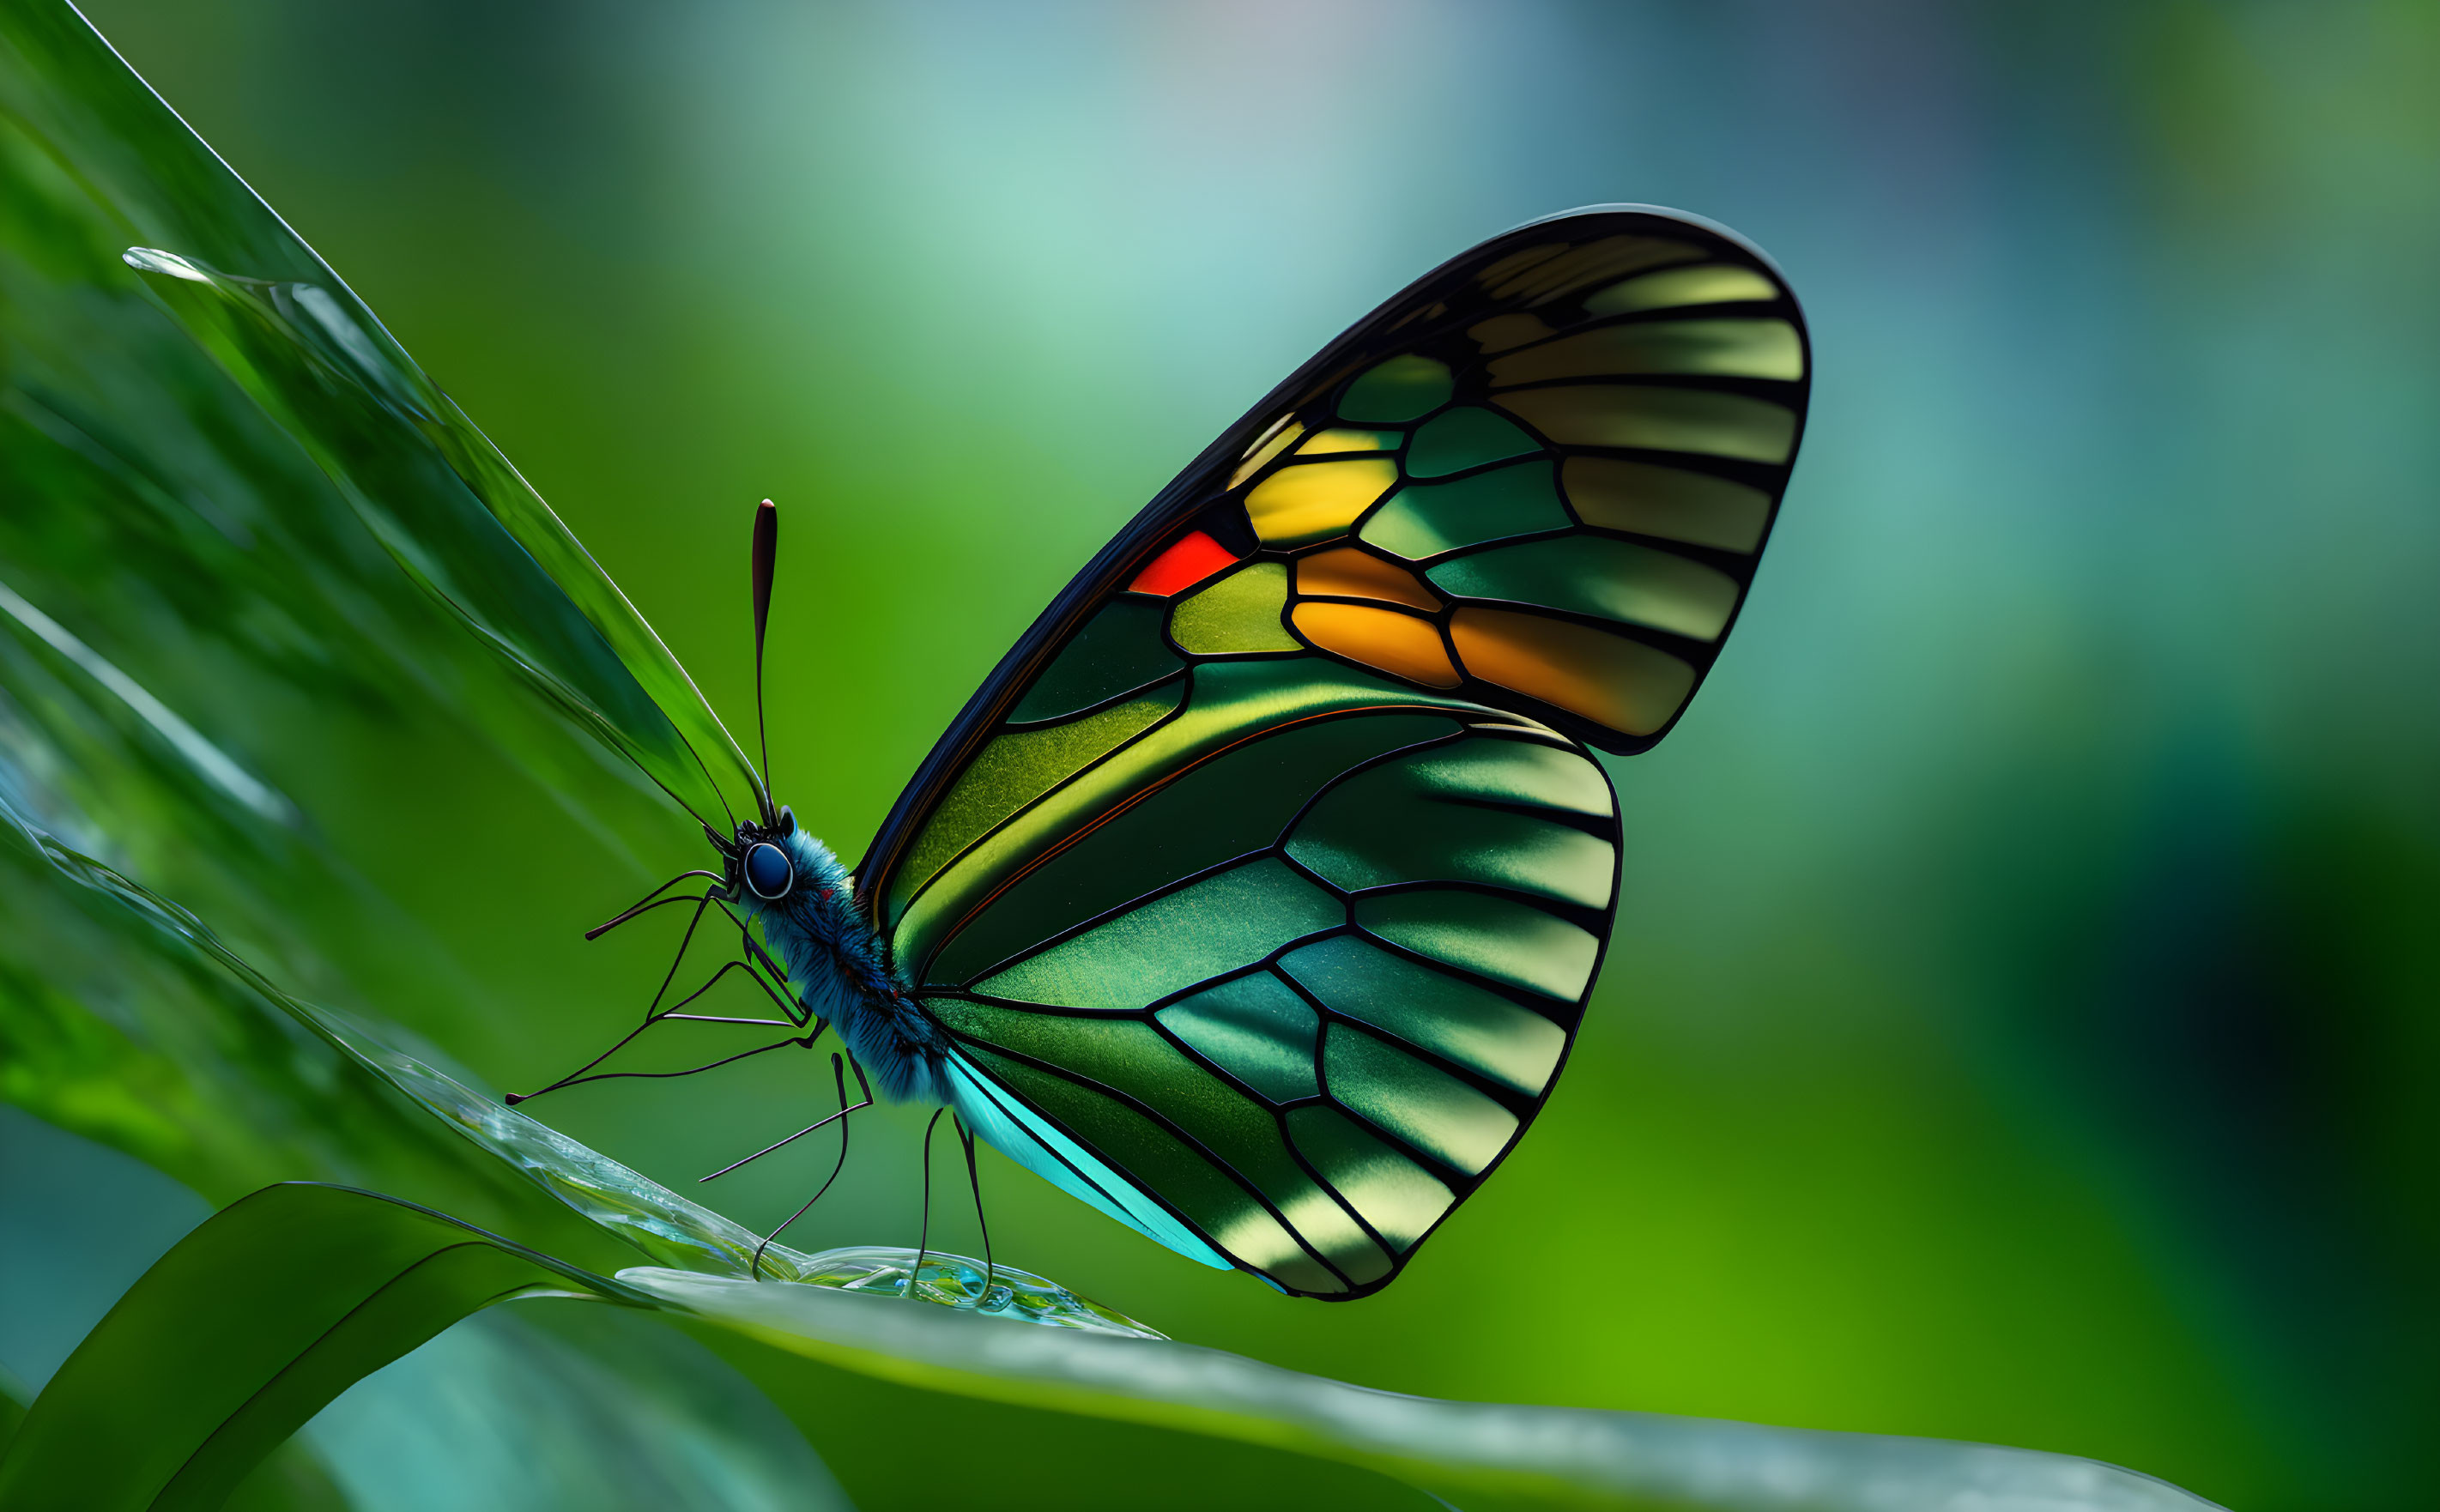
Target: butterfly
x=1256 y=897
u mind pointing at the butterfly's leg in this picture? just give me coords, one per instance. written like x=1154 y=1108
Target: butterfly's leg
x=752 y=945
x=797 y=1018
x=802 y=1041
x=586 y=1073
x=862 y=1087
x=650 y=900
x=572 y=1077
x=923 y=1235
x=975 y=1184
x=838 y=1078
x=680 y=959
x=652 y=1013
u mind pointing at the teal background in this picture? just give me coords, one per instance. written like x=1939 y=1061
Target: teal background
x=2020 y=1024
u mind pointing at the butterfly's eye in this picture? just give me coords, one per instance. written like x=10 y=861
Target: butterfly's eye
x=767 y=871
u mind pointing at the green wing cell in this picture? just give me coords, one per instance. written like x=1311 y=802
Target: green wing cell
x=1259 y=894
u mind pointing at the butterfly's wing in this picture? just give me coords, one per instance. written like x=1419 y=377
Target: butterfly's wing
x=1263 y=886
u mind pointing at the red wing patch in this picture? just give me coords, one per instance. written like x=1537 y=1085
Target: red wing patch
x=1193 y=558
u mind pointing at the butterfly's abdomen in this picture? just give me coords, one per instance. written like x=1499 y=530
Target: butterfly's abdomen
x=838 y=971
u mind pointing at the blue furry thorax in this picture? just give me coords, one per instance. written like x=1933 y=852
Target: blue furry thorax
x=838 y=971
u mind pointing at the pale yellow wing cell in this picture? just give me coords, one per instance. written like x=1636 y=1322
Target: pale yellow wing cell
x=1315 y=501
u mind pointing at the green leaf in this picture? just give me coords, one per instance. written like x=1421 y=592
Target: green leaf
x=1474 y=1454
x=557 y=1406
x=245 y=1330
x=459 y=520
x=281 y=1301
x=196 y=634
x=12 y=1407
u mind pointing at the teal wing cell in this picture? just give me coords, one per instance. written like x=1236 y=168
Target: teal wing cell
x=1262 y=888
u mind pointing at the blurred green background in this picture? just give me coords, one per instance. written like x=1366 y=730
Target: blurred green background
x=2020 y=1025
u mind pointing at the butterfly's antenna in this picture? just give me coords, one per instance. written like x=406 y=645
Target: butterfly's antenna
x=975 y=1184
x=924 y=1239
x=766 y=558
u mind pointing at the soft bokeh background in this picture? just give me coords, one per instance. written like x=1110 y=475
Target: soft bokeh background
x=2021 y=1026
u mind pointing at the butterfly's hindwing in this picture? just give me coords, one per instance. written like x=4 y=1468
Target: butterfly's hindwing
x=1262 y=887
x=1307 y=988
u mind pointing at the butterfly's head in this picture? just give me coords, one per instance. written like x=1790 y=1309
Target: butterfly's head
x=759 y=862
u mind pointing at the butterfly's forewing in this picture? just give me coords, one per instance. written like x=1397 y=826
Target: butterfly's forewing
x=1263 y=887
